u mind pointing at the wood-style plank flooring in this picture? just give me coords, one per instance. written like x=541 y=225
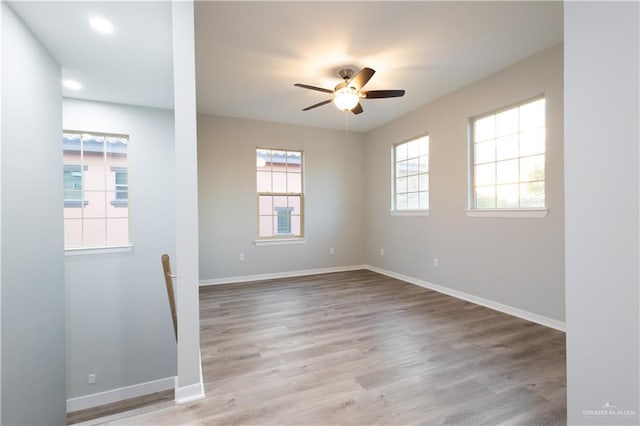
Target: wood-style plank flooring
x=361 y=348
x=115 y=408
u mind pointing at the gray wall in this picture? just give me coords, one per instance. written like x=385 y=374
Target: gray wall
x=33 y=338
x=514 y=261
x=189 y=383
x=334 y=199
x=118 y=320
x=1 y=138
x=602 y=97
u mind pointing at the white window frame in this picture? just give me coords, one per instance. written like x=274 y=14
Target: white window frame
x=512 y=212
x=102 y=249
x=282 y=238
x=120 y=188
x=75 y=202
x=395 y=211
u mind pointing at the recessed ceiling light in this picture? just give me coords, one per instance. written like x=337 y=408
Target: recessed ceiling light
x=101 y=25
x=71 y=84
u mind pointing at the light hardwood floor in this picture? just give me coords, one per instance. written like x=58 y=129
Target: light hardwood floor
x=120 y=408
x=362 y=348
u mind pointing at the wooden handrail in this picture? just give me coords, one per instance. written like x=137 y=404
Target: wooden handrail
x=168 y=279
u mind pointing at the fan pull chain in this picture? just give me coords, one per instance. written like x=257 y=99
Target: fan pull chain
x=346 y=127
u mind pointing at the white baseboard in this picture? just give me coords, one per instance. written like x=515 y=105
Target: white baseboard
x=516 y=312
x=189 y=393
x=115 y=395
x=192 y=392
x=182 y=394
x=290 y=274
x=195 y=391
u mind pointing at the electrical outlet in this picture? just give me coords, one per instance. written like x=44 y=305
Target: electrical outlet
x=92 y=378
x=381 y=252
x=332 y=251
x=436 y=262
x=241 y=257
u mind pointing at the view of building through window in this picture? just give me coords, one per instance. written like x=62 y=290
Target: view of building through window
x=411 y=175
x=280 y=195
x=508 y=151
x=96 y=190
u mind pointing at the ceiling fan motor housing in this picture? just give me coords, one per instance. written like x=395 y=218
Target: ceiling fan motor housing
x=347 y=94
x=346 y=73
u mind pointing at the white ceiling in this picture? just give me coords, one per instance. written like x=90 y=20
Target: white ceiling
x=134 y=65
x=249 y=54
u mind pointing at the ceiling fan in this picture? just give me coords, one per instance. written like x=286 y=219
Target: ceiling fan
x=347 y=94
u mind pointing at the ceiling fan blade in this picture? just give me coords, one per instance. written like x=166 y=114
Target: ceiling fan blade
x=319 y=89
x=317 y=105
x=357 y=109
x=340 y=85
x=378 y=94
x=361 y=78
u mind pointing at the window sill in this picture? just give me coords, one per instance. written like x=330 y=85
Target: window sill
x=410 y=212
x=97 y=250
x=517 y=213
x=75 y=203
x=280 y=242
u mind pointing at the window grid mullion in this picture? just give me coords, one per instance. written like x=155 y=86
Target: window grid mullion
x=83 y=235
x=495 y=163
x=104 y=173
x=406 y=192
x=83 y=187
x=518 y=134
x=273 y=214
x=519 y=159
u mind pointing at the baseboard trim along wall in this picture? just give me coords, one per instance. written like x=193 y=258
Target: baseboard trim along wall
x=120 y=394
x=196 y=391
x=510 y=310
x=189 y=393
x=182 y=394
x=290 y=274
x=192 y=392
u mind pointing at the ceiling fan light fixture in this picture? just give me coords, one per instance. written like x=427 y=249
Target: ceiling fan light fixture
x=347 y=94
x=346 y=99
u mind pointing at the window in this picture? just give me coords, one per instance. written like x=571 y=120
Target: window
x=411 y=175
x=280 y=197
x=121 y=186
x=96 y=190
x=73 y=186
x=508 y=158
x=283 y=215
